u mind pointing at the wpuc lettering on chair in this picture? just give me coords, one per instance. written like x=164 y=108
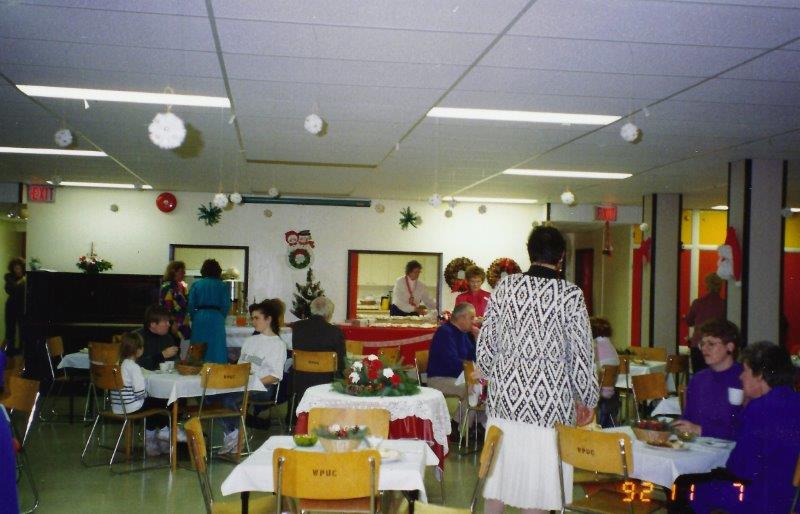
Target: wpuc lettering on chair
x=585 y=451
x=324 y=472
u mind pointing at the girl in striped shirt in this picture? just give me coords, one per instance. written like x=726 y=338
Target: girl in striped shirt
x=133 y=393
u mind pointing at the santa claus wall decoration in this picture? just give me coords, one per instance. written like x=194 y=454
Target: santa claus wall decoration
x=300 y=245
x=729 y=265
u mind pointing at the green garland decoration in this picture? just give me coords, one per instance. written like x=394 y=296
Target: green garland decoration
x=409 y=217
x=379 y=384
x=209 y=215
x=295 y=260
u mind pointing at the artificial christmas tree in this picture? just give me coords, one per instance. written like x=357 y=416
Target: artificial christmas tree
x=301 y=305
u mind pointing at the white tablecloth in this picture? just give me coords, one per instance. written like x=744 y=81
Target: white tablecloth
x=662 y=466
x=77 y=360
x=428 y=404
x=172 y=386
x=669 y=405
x=404 y=474
x=641 y=369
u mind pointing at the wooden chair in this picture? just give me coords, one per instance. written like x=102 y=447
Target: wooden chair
x=116 y=338
x=652 y=386
x=349 y=482
x=100 y=353
x=682 y=396
x=196 y=352
x=197 y=450
x=376 y=420
x=429 y=508
x=108 y=378
x=226 y=376
x=354 y=347
x=390 y=353
x=22 y=395
x=488 y=455
x=469 y=370
x=796 y=484
x=678 y=367
x=608 y=378
x=421 y=364
x=650 y=354
x=323 y=363
x=600 y=452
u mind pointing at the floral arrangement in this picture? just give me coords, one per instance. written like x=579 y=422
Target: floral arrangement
x=455 y=274
x=93 y=264
x=499 y=269
x=372 y=376
x=337 y=431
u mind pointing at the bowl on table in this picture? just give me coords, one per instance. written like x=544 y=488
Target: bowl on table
x=339 y=445
x=305 y=439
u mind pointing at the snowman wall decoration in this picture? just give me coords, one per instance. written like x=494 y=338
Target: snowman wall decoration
x=300 y=245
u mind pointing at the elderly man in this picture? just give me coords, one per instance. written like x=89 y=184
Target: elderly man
x=317 y=334
x=451 y=346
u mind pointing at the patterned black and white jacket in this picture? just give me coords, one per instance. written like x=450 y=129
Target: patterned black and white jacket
x=535 y=345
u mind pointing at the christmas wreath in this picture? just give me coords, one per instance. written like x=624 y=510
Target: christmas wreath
x=299 y=258
x=455 y=274
x=500 y=268
x=372 y=376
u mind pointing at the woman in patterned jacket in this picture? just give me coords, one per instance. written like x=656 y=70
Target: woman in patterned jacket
x=175 y=298
x=536 y=348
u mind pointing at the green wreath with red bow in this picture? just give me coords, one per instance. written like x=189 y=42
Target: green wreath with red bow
x=455 y=274
x=499 y=268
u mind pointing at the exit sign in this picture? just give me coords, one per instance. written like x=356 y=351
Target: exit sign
x=605 y=213
x=41 y=193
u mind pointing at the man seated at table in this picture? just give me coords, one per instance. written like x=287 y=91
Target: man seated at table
x=159 y=345
x=708 y=410
x=451 y=346
x=317 y=334
x=758 y=474
x=410 y=297
x=266 y=353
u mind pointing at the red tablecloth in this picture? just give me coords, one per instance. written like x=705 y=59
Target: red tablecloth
x=409 y=340
x=411 y=427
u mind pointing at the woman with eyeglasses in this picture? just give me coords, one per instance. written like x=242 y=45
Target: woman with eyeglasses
x=709 y=411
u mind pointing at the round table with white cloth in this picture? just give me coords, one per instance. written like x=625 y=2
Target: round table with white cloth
x=429 y=404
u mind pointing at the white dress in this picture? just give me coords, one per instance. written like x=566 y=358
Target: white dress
x=536 y=347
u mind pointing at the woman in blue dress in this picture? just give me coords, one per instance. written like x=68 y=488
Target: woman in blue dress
x=209 y=303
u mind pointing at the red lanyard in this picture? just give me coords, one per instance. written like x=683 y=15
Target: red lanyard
x=410 y=293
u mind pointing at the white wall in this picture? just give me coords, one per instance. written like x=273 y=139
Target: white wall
x=10 y=247
x=136 y=238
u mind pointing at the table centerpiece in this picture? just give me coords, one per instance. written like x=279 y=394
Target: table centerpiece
x=340 y=438
x=373 y=376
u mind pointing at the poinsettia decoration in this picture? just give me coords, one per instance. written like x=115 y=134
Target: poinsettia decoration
x=374 y=376
x=409 y=218
x=210 y=214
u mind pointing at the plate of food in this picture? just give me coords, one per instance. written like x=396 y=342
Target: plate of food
x=714 y=442
x=389 y=455
x=668 y=445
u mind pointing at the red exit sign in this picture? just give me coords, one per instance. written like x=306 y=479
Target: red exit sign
x=41 y=193
x=605 y=213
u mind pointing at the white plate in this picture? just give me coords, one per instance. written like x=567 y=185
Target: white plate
x=714 y=443
x=681 y=448
x=389 y=455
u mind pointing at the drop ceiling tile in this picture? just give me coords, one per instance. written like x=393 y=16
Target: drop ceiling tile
x=349 y=43
x=744 y=92
x=285 y=69
x=660 y=22
x=775 y=66
x=180 y=7
x=432 y=15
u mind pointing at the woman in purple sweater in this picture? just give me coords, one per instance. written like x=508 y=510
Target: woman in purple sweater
x=758 y=475
x=708 y=411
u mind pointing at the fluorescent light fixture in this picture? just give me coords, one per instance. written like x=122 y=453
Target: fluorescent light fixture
x=795 y=209
x=563 y=118
x=482 y=199
x=567 y=174
x=105 y=185
x=719 y=208
x=52 y=151
x=136 y=97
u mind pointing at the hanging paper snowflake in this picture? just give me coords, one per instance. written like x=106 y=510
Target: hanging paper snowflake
x=63 y=138
x=408 y=217
x=379 y=208
x=435 y=200
x=567 y=197
x=236 y=198
x=210 y=214
x=630 y=133
x=220 y=200
x=167 y=131
x=313 y=124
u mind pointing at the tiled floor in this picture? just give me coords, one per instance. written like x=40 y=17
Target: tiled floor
x=66 y=486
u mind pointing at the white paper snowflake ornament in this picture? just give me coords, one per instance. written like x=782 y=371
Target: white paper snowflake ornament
x=630 y=133
x=482 y=209
x=220 y=200
x=267 y=213
x=435 y=200
x=273 y=192
x=167 y=131
x=236 y=198
x=63 y=138
x=644 y=227
x=567 y=197
x=380 y=208
x=313 y=124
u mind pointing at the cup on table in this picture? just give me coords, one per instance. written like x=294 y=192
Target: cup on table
x=164 y=367
x=735 y=396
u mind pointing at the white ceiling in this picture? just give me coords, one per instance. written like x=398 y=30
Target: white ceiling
x=720 y=80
